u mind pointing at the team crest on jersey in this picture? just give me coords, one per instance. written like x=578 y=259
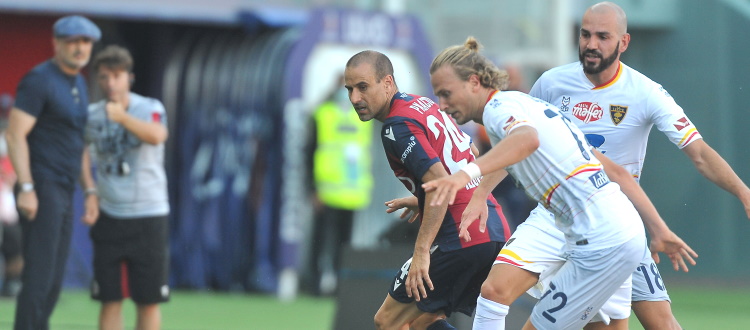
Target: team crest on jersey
x=681 y=123
x=617 y=113
x=588 y=112
x=565 y=104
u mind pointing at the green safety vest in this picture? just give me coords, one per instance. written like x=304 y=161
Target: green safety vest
x=342 y=160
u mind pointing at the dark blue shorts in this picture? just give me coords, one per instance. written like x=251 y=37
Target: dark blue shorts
x=457 y=276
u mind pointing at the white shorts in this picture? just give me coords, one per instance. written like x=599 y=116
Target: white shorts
x=582 y=286
x=537 y=246
x=647 y=282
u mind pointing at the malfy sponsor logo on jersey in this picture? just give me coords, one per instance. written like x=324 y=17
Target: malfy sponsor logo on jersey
x=588 y=112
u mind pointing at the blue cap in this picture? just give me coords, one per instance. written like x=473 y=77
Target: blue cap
x=73 y=26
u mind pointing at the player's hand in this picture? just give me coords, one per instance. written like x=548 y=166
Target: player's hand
x=446 y=188
x=409 y=204
x=418 y=280
x=91 y=210
x=116 y=111
x=476 y=209
x=675 y=248
x=27 y=204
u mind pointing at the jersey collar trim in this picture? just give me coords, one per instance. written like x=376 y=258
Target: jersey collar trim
x=613 y=80
x=490 y=97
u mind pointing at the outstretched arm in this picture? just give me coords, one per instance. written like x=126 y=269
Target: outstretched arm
x=519 y=144
x=662 y=238
x=715 y=168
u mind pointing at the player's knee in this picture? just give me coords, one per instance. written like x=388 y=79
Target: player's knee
x=381 y=319
x=497 y=293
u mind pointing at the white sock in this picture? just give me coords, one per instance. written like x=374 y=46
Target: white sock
x=489 y=315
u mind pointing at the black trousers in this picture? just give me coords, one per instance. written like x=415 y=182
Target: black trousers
x=46 y=242
x=333 y=231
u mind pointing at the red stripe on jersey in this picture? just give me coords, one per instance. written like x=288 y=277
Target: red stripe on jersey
x=124 y=281
x=690 y=138
x=156 y=117
x=504 y=259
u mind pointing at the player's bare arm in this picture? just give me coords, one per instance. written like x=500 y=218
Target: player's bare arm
x=418 y=280
x=20 y=124
x=662 y=238
x=409 y=204
x=712 y=166
x=477 y=207
x=519 y=144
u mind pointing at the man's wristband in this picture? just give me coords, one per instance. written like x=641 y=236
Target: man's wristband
x=472 y=170
x=90 y=191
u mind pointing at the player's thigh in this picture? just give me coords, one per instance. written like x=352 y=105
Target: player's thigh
x=393 y=314
x=506 y=283
x=534 y=250
x=655 y=315
x=584 y=283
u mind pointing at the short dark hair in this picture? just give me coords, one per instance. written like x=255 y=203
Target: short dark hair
x=113 y=57
x=379 y=61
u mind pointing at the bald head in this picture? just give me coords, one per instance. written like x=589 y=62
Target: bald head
x=610 y=9
x=380 y=62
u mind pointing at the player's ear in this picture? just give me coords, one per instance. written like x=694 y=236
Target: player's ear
x=388 y=79
x=474 y=81
x=624 y=42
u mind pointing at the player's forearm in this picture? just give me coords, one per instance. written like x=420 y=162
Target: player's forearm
x=712 y=166
x=148 y=132
x=432 y=219
x=87 y=178
x=649 y=215
x=18 y=151
x=489 y=182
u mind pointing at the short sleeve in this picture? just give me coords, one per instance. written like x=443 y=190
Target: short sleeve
x=670 y=119
x=405 y=142
x=31 y=93
x=503 y=116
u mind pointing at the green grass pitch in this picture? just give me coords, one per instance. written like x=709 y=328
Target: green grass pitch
x=695 y=308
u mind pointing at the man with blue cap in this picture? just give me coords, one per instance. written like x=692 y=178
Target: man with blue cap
x=45 y=140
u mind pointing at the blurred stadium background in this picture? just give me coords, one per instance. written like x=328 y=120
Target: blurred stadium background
x=239 y=79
